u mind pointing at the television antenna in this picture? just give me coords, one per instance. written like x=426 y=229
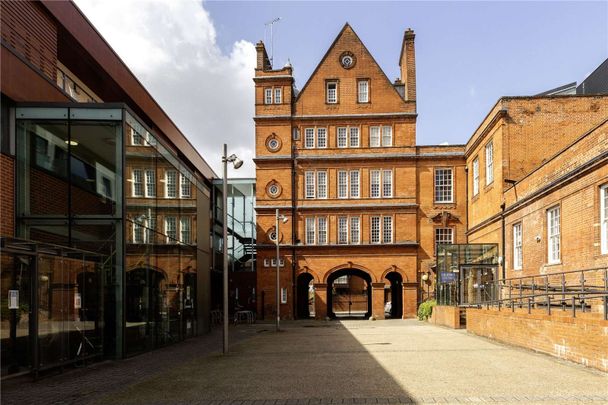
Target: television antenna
x=271 y=24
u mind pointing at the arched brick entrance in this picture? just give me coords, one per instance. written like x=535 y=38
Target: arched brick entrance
x=356 y=291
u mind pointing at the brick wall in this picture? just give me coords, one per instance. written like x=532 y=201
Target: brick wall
x=32 y=33
x=583 y=339
x=411 y=204
x=7 y=195
x=445 y=316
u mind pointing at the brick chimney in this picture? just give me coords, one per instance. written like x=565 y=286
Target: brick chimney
x=407 y=63
x=263 y=63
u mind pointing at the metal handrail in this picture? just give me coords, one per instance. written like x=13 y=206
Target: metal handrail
x=565 y=293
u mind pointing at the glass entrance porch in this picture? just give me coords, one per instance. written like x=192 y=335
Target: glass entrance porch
x=52 y=306
x=466 y=273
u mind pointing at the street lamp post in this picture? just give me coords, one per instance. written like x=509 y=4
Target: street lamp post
x=283 y=219
x=237 y=163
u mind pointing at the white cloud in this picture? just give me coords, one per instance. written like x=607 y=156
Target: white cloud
x=171 y=47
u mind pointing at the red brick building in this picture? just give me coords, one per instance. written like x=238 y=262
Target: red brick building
x=339 y=159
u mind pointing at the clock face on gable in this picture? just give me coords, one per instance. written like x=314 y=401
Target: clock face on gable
x=347 y=60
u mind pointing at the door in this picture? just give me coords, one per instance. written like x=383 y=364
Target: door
x=16 y=290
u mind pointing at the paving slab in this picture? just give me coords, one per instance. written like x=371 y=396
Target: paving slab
x=356 y=362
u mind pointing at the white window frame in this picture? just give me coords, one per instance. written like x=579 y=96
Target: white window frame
x=442 y=187
x=554 y=235
x=387 y=135
x=489 y=163
x=171 y=186
x=184 y=185
x=476 y=176
x=150 y=186
x=355 y=186
x=375 y=136
x=136 y=135
x=387 y=220
x=150 y=139
x=322 y=230
x=309 y=138
x=322 y=184
x=517 y=246
x=328 y=95
x=342 y=230
x=309 y=184
x=342 y=184
x=281 y=262
x=310 y=231
x=266 y=262
x=375 y=183
x=278 y=95
x=342 y=137
x=273 y=262
x=604 y=219
x=387 y=183
x=137 y=182
x=441 y=237
x=354 y=232
x=185 y=230
x=268 y=95
x=354 y=134
x=322 y=138
x=171 y=239
x=363 y=91
x=138 y=227
x=375 y=225
x=283 y=295
x=150 y=229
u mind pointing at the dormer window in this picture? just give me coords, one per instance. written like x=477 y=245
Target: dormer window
x=331 y=93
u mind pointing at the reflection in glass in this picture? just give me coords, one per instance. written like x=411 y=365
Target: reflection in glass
x=161 y=263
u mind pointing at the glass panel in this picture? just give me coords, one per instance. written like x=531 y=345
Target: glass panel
x=42 y=153
x=53 y=310
x=15 y=276
x=93 y=166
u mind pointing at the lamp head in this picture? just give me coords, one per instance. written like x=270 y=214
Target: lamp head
x=284 y=219
x=237 y=163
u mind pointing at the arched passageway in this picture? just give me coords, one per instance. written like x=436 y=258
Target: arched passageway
x=305 y=296
x=394 y=296
x=349 y=294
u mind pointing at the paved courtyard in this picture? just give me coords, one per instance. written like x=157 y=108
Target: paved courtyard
x=348 y=362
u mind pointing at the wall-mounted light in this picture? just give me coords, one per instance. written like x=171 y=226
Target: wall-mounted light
x=71 y=143
x=425 y=277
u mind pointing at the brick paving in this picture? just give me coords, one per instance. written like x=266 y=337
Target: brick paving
x=321 y=363
x=87 y=384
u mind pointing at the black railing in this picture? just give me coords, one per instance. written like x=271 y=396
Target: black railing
x=574 y=291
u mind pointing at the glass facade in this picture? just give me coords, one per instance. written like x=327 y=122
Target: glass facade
x=464 y=271
x=241 y=243
x=52 y=305
x=96 y=179
x=161 y=240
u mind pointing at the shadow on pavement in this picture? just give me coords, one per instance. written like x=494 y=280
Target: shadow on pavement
x=308 y=361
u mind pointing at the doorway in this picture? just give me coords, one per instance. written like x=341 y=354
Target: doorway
x=305 y=296
x=349 y=294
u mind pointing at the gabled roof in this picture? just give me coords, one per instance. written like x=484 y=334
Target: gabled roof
x=331 y=47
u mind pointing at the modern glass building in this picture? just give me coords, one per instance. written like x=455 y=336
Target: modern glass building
x=95 y=178
x=241 y=243
x=106 y=208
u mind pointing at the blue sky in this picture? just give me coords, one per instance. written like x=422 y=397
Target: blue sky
x=468 y=54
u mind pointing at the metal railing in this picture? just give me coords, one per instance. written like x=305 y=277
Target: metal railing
x=67 y=83
x=573 y=291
